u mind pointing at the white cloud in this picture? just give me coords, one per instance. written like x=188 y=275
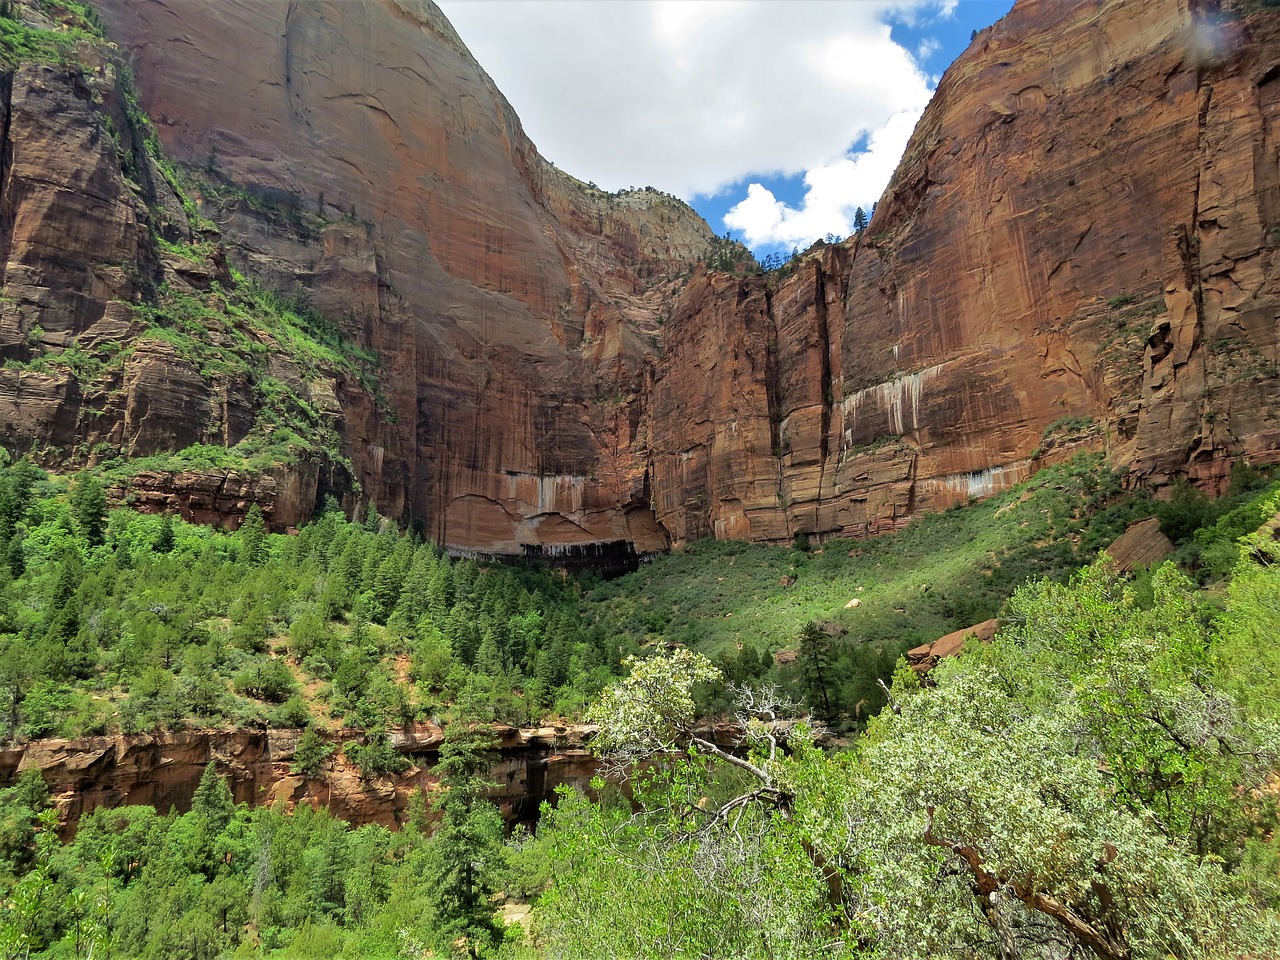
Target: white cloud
x=693 y=97
x=833 y=193
x=928 y=47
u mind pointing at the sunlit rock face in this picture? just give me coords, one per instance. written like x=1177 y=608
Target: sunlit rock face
x=515 y=309
x=1077 y=250
x=163 y=770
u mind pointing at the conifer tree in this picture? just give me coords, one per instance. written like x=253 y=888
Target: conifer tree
x=253 y=537
x=465 y=854
x=89 y=504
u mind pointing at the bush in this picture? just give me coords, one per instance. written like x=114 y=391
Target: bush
x=268 y=679
x=376 y=756
x=311 y=753
x=292 y=713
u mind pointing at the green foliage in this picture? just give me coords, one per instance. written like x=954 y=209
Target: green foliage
x=942 y=573
x=374 y=755
x=1095 y=763
x=89 y=504
x=21 y=42
x=464 y=859
x=166 y=624
x=311 y=754
x=266 y=679
x=1080 y=786
x=653 y=708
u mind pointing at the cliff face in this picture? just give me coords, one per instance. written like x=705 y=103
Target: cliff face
x=163 y=770
x=512 y=306
x=1083 y=226
x=1079 y=246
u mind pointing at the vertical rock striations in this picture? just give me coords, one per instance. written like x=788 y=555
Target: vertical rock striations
x=1083 y=231
x=1078 y=247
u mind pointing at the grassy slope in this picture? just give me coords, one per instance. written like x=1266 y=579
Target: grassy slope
x=942 y=573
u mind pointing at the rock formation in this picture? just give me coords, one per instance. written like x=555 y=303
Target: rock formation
x=164 y=769
x=1079 y=245
x=1082 y=234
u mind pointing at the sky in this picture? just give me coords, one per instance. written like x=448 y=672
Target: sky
x=774 y=119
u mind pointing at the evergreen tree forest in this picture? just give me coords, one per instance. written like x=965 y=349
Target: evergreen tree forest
x=1099 y=780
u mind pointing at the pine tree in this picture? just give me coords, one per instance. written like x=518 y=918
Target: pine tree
x=817 y=660
x=465 y=854
x=89 y=504
x=253 y=537
x=213 y=802
x=859 y=220
x=165 y=540
x=311 y=753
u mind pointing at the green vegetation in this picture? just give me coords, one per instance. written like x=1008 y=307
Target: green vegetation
x=20 y=42
x=1085 y=785
x=112 y=620
x=279 y=356
x=742 y=604
x=1095 y=766
x=118 y=621
x=223 y=880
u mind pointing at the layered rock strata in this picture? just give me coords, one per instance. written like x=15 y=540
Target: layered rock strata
x=1081 y=241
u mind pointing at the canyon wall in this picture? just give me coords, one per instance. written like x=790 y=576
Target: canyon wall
x=1078 y=248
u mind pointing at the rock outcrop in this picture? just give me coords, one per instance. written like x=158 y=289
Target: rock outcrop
x=1081 y=244
x=164 y=769
x=926 y=656
x=1142 y=544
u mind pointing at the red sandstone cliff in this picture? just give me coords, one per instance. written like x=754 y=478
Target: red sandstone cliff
x=1084 y=226
x=163 y=770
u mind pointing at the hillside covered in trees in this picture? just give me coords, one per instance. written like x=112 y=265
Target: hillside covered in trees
x=1100 y=773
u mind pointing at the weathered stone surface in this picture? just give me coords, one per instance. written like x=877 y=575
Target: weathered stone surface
x=1142 y=544
x=164 y=769
x=72 y=236
x=926 y=656
x=1082 y=227
x=1083 y=231
x=512 y=306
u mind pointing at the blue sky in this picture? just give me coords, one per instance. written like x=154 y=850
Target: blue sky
x=773 y=118
x=935 y=38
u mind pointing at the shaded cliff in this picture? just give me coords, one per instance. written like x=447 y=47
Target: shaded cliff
x=1078 y=245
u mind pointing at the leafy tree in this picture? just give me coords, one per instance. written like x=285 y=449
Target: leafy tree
x=266 y=679
x=975 y=819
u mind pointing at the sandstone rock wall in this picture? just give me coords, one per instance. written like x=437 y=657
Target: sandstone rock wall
x=511 y=304
x=1083 y=226
x=164 y=769
x=1081 y=240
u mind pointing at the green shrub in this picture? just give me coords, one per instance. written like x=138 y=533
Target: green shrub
x=266 y=679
